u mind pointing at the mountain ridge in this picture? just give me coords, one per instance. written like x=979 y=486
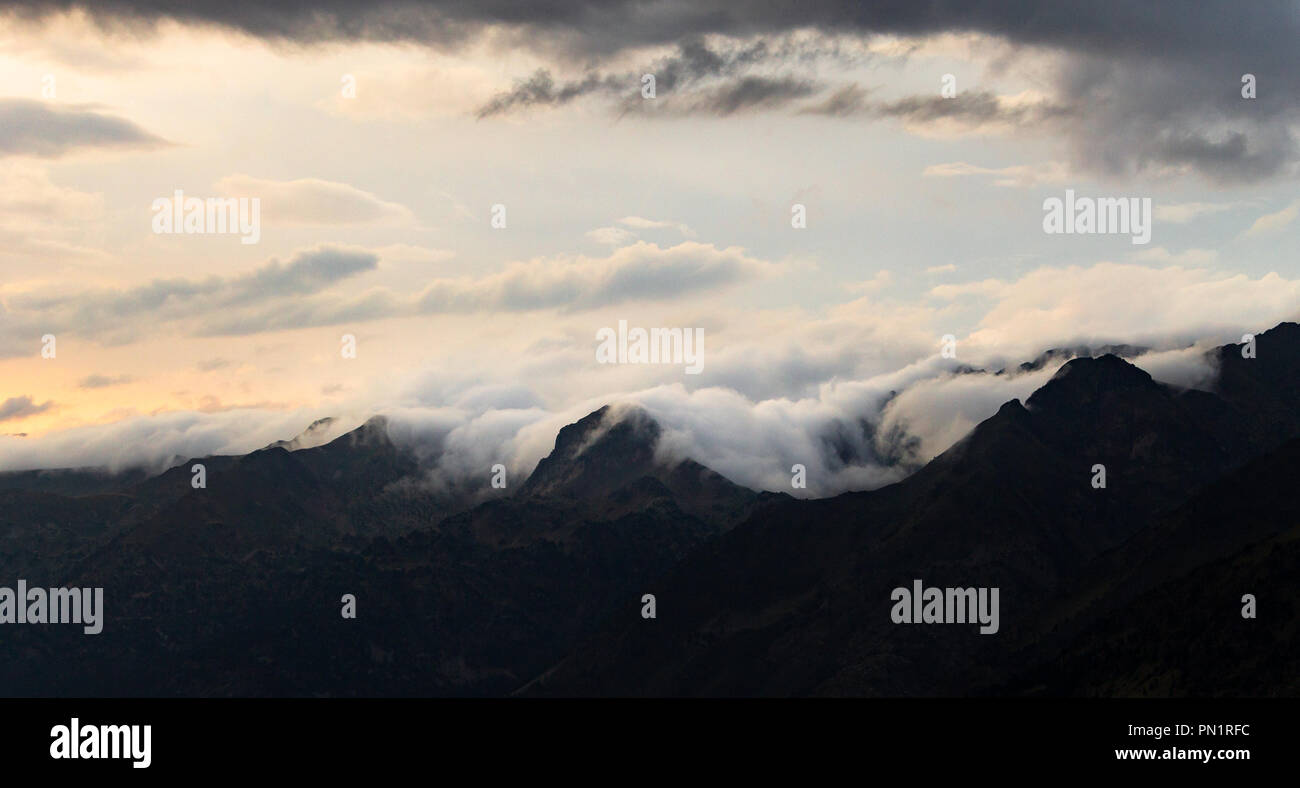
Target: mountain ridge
x=234 y=589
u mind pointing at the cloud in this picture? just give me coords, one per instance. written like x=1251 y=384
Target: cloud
x=1190 y=367
x=35 y=128
x=879 y=281
x=1182 y=213
x=969 y=110
x=41 y=220
x=29 y=198
x=1275 y=222
x=540 y=89
x=17 y=408
x=1017 y=175
x=860 y=395
x=655 y=224
x=1105 y=303
x=858 y=429
x=639 y=272
x=312 y=201
x=103 y=381
x=212 y=364
x=576 y=26
x=611 y=236
x=636 y=272
x=698 y=77
x=155 y=442
x=1148 y=89
x=746 y=94
x=292 y=295
x=1159 y=254
x=846 y=101
x=117 y=315
x=941 y=269
x=413 y=255
x=939 y=411
x=1177 y=113
x=35 y=244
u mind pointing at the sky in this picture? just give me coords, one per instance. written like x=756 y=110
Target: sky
x=382 y=140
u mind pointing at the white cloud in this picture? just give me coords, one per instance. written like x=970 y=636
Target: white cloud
x=1274 y=222
x=28 y=197
x=312 y=201
x=1018 y=175
x=416 y=255
x=1188 y=367
x=1182 y=213
x=1116 y=302
x=875 y=284
x=1159 y=254
x=653 y=224
x=611 y=236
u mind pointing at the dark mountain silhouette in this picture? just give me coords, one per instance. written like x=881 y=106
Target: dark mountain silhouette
x=236 y=589
x=608 y=458
x=1161 y=615
x=71 y=481
x=472 y=603
x=796 y=600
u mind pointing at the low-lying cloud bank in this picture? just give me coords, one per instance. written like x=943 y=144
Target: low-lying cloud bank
x=852 y=435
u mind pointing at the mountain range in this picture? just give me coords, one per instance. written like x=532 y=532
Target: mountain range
x=1131 y=588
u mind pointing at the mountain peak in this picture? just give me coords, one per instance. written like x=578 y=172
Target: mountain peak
x=1085 y=381
x=315 y=435
x=1081 y=351
x=1011 y=408
x=598 y=453
x=371 y=434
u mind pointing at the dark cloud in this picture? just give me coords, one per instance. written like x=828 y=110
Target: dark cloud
x=540 y=89
x=848 y=100
x=1138 y=115
x=970 y=109
x=1112 y=26
x=973 y=107
x=21 y=407
x=1153 y=87
x=35 y=128
x=307 y=272
x=678 y=78
x=750 y=93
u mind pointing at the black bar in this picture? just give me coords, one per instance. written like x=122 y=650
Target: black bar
x=331 y=737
